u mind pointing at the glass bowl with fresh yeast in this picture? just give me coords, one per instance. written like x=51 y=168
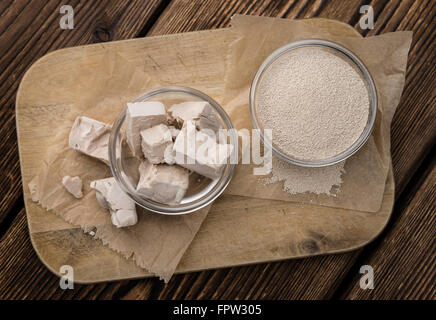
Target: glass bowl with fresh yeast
x=172 y=150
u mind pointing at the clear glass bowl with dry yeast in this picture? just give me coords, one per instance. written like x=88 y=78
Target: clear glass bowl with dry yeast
x=319 y=100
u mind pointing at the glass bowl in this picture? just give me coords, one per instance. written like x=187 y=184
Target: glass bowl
x=201 y=191
x=355 y=62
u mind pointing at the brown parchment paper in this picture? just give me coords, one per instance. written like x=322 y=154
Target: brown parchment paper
x=100 y=89
x=365 y=172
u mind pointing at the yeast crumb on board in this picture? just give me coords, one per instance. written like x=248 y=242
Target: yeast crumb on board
x=317 y=105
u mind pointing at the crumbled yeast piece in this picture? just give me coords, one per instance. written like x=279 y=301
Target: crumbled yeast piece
x=73 y=186
x=174 y=132
x=90 y=137
x=33 y=189
x=162 y=183
x=124 y=218
x=155 y=141
x=201 y=112
x=199 y=152
x=141 y=116
x=120 y=205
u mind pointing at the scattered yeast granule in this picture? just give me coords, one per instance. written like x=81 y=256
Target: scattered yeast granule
x=298 y=179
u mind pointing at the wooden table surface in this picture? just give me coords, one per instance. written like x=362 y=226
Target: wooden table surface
x=403 y=256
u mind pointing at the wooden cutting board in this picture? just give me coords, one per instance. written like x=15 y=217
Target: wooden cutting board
x=259 y=230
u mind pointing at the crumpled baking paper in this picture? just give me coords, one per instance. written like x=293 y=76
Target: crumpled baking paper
x=157 y=242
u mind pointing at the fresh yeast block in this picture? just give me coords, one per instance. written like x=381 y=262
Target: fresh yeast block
x=120 y=205
x=201 y=112
x=73 y=185
x=199 y=152
x=90 y=137
x=163 y=183
x=141 y=116
x=155 y=141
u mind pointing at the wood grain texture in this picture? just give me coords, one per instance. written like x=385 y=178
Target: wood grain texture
x=413 y=127
x=303 y=273
x=337 y=266
x=404 y=261
x=23 y=275
x=414 y=123
x=29 y=30
x=406 y=131
x=183 y=16
x=231 y=234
